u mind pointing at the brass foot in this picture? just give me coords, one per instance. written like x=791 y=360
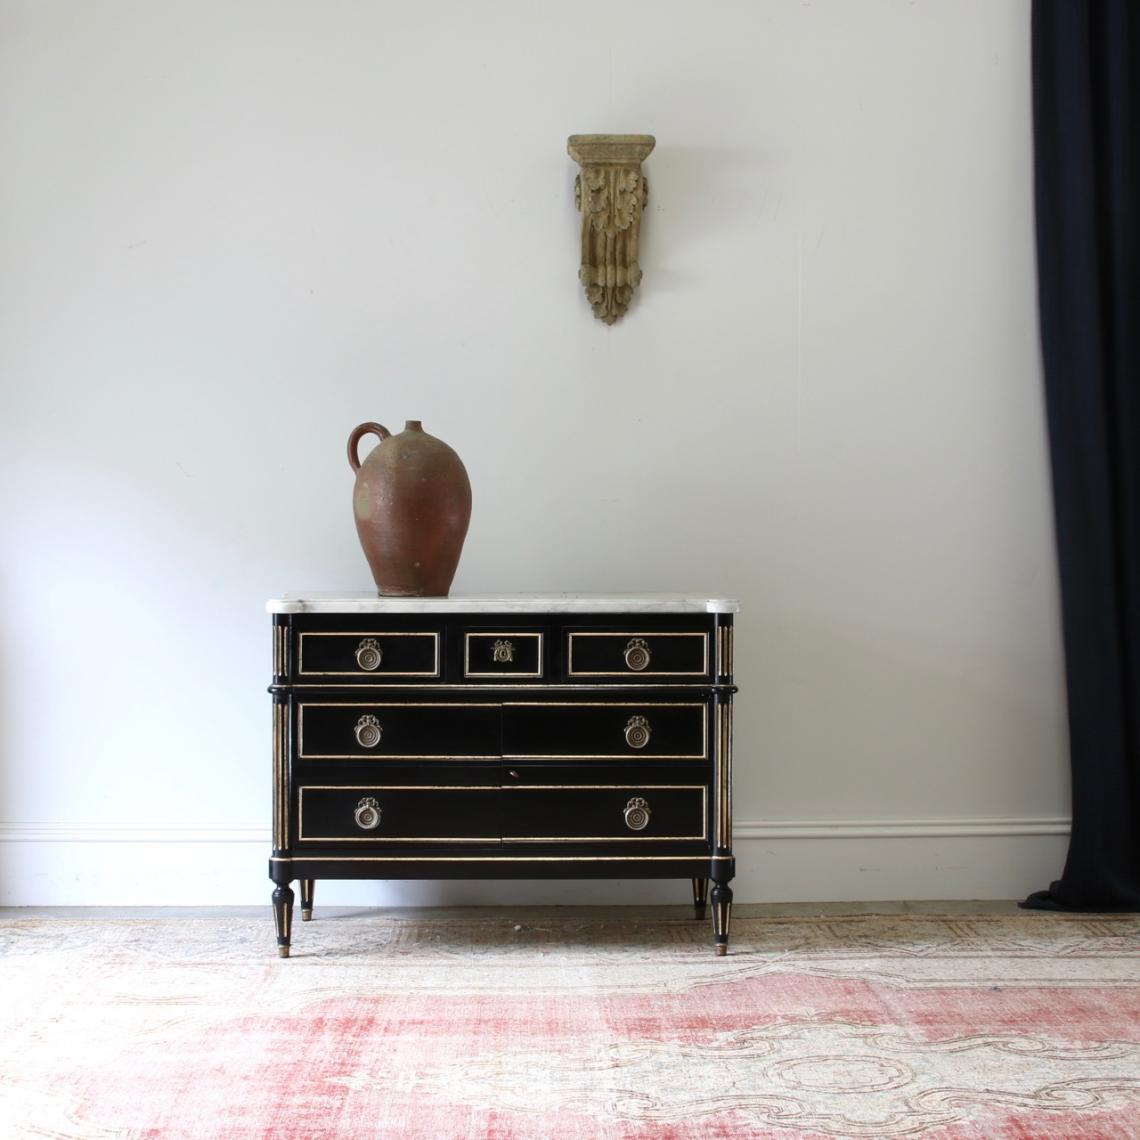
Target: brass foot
x=721 y=949
x=306 y=916
x=282 y=951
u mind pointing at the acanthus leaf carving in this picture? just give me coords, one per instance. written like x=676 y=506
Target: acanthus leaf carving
x=611 y=193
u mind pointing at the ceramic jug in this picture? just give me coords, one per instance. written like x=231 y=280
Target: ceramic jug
x=412 y=504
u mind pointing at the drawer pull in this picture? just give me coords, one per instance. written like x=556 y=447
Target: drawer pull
x=637 y=814
x=503 y=652
x=369 y=655
x=637 y=732
x=637 y=654
x=368 y=731
x=367 y=814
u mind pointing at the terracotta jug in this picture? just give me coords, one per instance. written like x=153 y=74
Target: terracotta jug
x=412 y=504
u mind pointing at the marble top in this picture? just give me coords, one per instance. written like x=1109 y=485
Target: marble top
x=371 y=603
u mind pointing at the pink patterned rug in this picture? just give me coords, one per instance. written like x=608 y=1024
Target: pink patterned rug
x=529 y=1027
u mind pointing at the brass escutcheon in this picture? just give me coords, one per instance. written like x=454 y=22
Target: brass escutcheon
x=637 y=814
x=367 y=814
x=503 y=652
x=637 y=732
x=368 y=731
x=369 y=654
x=637 y=654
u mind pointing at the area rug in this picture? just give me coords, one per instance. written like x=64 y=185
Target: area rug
x=517 y=1027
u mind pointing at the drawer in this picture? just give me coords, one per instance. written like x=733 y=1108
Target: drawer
x=636 y=654
x=381 y=813
x=397 y=730
x=367 y=654
x=490 y=655
x=661 y=730
x=605 y=813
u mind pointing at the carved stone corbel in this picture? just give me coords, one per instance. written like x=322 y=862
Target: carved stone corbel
x=611 y=193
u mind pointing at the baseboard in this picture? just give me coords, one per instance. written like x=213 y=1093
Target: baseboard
x=132 y=864
x=133 y=833
x=900 y=828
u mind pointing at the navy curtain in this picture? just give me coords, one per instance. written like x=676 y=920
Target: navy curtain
x=1086 y=121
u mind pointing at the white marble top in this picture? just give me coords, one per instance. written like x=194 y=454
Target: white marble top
x=370 y=603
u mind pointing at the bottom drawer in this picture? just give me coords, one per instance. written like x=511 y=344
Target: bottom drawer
x=386 y=814
x=604 y=813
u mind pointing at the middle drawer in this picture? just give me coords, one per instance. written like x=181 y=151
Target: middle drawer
x=397 y=730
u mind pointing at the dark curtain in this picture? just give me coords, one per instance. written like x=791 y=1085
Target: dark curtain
x=1086 y=120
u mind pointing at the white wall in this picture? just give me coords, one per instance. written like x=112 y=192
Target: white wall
x=231 y=231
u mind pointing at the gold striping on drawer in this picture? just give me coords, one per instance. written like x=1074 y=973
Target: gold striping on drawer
x=358 y=634
x=618 y=838
x=651 y=636
x=381 y=838
x=379 y=707
x=508 y=638
x=646 y=707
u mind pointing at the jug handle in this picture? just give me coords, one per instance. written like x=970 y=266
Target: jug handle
x=354 y=439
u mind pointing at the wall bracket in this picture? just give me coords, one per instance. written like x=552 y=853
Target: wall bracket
x=611 y=193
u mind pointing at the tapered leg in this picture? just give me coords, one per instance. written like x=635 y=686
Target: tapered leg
x=307 y=887
x=722 y=915
x=283 y=917
x=700 y=896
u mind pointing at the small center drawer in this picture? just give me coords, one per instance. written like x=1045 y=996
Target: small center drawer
x=662 y=730
x=378 y=813
x=368 y=653
x=502 y=654
x=397 y=730
x=604 y=813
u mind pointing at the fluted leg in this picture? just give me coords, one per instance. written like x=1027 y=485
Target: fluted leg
x=722 y=915
x=307 y=888
x=283 y=917
x=700 y=896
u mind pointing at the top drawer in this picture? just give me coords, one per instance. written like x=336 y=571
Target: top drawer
x=486 y=651
x=363 y=654
x=636 y=654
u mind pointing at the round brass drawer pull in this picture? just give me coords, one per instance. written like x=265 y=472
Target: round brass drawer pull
x=369 y=655
x=368 y=731
x=637 y=814
x=637 y=654
x=367 y=814
x=637 y=732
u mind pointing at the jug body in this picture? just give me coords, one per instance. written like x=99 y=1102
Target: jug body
x=412 y=505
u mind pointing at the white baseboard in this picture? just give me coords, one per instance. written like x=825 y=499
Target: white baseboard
x=130 y=864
